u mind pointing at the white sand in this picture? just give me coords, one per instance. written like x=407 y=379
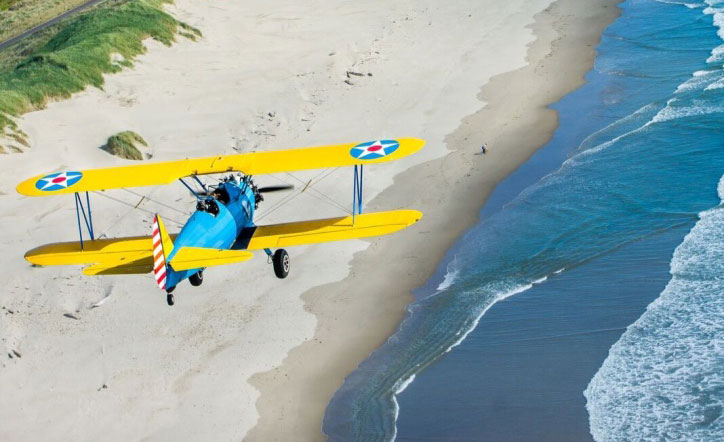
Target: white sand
x=183 y=373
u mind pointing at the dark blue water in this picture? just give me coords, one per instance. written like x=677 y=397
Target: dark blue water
x=585 y=248
x=521 y=373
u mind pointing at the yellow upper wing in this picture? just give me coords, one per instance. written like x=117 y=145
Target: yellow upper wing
x=325 y=230
x=248 y=163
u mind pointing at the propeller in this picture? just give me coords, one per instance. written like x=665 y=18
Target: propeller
x=275 y=188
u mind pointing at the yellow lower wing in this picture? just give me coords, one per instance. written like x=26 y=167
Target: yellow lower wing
x=92 y=252
x=188 y=258
x=135 y=255
x=107 y=256
x=325 y=230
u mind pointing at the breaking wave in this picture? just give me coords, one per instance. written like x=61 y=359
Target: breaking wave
x=663 y=379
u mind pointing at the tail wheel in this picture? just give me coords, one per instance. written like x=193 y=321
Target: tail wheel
x=169 y=299
x=281 y=263
x=197 y=278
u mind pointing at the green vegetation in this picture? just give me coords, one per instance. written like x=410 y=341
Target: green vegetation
x=20 y=15
x=123 y=145
x=81 y=52
x=6 y=4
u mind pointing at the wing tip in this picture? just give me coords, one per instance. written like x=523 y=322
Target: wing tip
x=413 y=144
x=25 y=188
x=413 y=216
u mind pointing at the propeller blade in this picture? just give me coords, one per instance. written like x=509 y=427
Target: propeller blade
x=275 y=188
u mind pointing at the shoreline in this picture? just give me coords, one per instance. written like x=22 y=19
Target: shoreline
x=565 y=34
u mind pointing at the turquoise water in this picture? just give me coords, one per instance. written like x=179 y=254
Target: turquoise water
x=639 y=153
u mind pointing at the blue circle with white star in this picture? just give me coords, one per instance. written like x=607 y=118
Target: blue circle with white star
x=372 y=150
x=58 y=181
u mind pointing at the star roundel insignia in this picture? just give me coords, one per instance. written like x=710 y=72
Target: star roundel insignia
x=372 y=150
x=58 y=181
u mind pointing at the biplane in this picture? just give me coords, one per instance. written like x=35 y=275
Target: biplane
x=221 y=230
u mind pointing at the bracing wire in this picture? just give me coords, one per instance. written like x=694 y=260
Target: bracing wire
x=157 y=202
x=316 y=180
x=279 y=204
x=308 y=186
x=133 y=206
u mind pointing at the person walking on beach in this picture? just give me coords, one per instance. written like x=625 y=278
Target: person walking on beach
x=484 y=148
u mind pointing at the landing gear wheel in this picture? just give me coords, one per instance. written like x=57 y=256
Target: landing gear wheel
x=169 y=299
x=281 y=263
x=197 y=278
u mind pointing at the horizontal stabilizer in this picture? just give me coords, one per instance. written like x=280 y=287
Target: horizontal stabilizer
x=325 y=230
x=255 y=163
x=187 y=258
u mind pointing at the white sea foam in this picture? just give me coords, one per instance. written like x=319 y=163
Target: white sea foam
x=663 y=379
x=616 y=126
x=584 y=150
x=717 y=54
x=499 y=297
x=698 y=80
x=399 y=388
x=669 y=113
x=716 y=8
x=598 y=148
x=403 y=385
x=715 y=85
x=451 y=275
x=688 y=5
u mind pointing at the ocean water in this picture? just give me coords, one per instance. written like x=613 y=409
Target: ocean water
x=664 y=378
x=588 y=225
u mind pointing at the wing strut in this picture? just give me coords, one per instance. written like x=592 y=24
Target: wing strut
x=357 y=191
x=191 y=189
x=88 y=219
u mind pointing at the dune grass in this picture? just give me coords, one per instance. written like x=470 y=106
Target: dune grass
x=6 y=4
x=123 y=144
x=17 y=16
x=81 y=52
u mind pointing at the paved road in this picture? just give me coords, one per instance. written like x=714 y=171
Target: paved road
x=50 y=22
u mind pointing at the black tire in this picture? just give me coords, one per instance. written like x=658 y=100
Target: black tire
x=281 y=263
x=197 y=278
x=169 y=299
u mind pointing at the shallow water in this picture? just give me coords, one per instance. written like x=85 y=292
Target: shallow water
x=638 y=155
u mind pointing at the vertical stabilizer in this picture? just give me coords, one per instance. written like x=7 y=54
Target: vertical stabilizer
x=162 y=247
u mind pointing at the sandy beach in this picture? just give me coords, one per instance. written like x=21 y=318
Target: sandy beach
x=247 y=356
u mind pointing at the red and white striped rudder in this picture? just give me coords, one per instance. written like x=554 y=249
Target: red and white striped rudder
x=159 y=257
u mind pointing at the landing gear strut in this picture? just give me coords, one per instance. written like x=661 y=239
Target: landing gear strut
x=281 y=263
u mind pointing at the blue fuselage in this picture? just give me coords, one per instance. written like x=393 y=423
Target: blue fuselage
x=215 y=229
